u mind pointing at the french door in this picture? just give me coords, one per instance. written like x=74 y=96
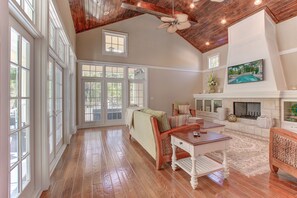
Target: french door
x=102 y=97
x=55 y=106
x=21 y=111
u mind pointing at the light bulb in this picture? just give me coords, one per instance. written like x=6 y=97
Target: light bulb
x=207 y=43
x=192 y=5
x=258 y=2
x=223 y=21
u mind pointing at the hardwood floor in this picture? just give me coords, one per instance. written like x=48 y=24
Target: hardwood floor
x=103 y=162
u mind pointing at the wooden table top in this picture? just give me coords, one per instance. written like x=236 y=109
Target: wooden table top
x=204 y=138
x=208 y=125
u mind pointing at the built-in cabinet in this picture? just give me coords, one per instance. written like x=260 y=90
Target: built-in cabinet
x=289 y=114
x=208 y=105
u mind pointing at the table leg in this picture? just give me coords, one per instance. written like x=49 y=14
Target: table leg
x=173 y=159
x=194 y=180
x=225 y=164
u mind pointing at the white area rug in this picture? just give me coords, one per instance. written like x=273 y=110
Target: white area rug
x=246 y=154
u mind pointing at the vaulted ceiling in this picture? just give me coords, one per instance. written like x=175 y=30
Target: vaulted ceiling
x=89 y=14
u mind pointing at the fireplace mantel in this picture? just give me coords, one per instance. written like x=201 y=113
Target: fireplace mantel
x=256 y=94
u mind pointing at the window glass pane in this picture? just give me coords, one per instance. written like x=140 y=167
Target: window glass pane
x=25 y=172
x=14 y=151
x=25 y=83
x=108 y=47
x=29 y=10
x=14 y=114
x=25 y=112
x=61 y=49
x=114 y=40
x=18 y=1
x=52 y=34
x=25 y=53
x=114 y=72
x=14 y=81
x=136 y=73
x=25 y=141
x=114 y=101
x=213 y=61
x=121 y=41
x=120 y=49
x=92 y=101
x=137 y=94
x=14 y=182
x=107 y=39
x=14 y=47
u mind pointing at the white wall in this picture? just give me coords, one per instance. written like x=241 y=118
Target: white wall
x=219 y=72
x=287 y=43
x=63 y=10
x=4 y=100
x=147 y=45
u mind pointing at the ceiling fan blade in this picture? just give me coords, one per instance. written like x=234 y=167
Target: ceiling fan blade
x=181 y=18
x=172 y=29
x=184 y=25
x=167 y=19
x=164 y=25
x=219 y=1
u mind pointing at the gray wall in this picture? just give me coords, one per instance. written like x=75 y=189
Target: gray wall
x=147 y=45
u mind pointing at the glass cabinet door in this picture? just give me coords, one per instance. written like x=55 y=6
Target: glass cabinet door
x=290 y=111
x=199 y=105
x=216 y=105
x=207 y=105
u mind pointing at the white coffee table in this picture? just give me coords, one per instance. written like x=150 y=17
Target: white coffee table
x=199 y=165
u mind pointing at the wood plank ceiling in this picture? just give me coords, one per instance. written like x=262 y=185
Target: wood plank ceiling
x=89 y=14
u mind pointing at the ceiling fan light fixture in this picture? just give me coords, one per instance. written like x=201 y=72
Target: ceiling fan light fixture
x=257 y=2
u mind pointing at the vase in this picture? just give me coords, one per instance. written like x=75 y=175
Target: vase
x=211 y=89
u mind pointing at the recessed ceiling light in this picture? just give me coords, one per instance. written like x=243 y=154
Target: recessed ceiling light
x=258 y=2
x=192 y=5
x=207 y=43
x=138 y=4
x=223 y=21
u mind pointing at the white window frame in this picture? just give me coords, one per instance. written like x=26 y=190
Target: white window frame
x=209 y=58
x=119 y=34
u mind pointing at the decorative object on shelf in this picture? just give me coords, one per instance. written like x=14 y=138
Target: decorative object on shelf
x=212 y=83
x=294 y=109
x=222 y=113
x=265 y=122
x=232 y=118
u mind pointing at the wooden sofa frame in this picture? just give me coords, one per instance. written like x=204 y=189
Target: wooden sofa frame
x=282 y=151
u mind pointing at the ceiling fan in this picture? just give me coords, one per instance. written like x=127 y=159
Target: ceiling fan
x=175 y=22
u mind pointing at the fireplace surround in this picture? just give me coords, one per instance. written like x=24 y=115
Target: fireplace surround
x=248 y=110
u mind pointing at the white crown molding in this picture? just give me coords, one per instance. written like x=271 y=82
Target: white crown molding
x=137 y=65
x=289 y=51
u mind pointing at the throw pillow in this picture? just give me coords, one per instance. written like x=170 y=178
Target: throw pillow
x=184 y=109
x=180 y=120
x=161 y=116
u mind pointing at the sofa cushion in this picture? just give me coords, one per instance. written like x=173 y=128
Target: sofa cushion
x=161 y=116
x=184 y=109
x=180 y=120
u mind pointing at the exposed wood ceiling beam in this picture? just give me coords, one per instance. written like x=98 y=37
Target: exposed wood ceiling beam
x=149 y=8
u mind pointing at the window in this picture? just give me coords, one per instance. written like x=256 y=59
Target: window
x=114 y=43
x=20 y=126
x=136 y=86
x=92 y=71
x=213 y=61
x=28 y=6
x=52 y=34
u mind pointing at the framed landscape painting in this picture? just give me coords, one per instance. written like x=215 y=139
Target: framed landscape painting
x=245 y=73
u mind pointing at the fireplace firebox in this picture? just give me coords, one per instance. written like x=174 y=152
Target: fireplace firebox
x=248 y=110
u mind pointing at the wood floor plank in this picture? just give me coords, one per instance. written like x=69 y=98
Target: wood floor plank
x=104 y=162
